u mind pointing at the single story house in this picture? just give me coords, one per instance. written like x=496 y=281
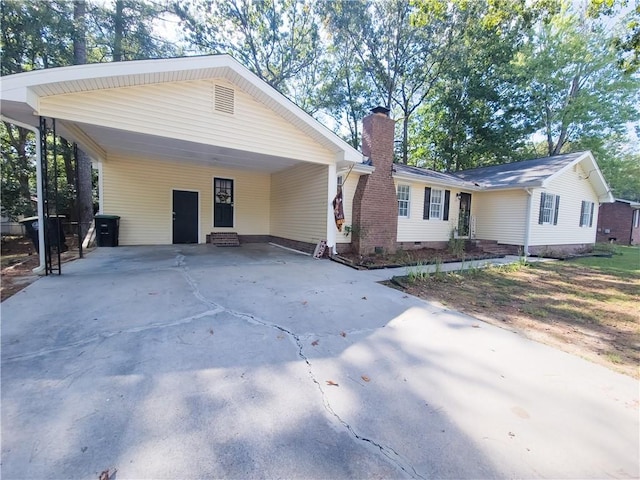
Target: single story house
x=619 y=222
x=189 y=146
x=535 y=206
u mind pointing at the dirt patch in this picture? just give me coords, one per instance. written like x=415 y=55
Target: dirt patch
x=577 y=309
x=19 y=258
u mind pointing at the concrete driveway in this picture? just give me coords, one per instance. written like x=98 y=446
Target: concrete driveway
x=203 y=362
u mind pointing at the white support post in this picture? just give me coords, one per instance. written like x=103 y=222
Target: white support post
x=40 y=269
x=331 y=223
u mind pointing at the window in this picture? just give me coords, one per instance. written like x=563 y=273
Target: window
x=403 y=192
x=436 y=204
x=549 y=207
x=636 y=218
x=586 y=214
x=435 y=209
x=340 y=180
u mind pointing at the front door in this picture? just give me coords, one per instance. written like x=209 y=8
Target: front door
x=185 y=216
x=223 y=202
x=464 y=219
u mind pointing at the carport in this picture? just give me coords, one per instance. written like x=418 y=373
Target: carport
x=189 y=146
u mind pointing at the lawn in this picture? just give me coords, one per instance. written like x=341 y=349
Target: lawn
x=587 y=306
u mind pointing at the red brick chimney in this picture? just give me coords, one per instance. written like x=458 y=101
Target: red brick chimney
x=375 y=204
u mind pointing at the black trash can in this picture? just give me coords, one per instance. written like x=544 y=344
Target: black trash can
x=55 y=231
x=107 y=230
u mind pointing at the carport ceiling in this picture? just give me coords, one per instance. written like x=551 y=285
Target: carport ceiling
x=133 y=144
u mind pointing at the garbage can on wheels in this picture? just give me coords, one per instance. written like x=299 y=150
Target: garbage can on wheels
x=107 y=230
x=55 y=230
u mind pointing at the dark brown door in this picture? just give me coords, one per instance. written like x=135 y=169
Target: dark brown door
x=223 y=202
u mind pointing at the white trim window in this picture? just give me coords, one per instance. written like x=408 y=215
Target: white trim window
x=435 y=206
x=340 y=182
x=636 y=218
x=403 y=192
x=586 y=214
x=549 y=207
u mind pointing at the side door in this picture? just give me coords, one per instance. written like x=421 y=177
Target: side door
x=185 y=216
x=223 y=202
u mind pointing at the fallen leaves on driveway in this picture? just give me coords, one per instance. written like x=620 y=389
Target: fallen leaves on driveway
x=332 y=383
x=315 y=343
x=365 y=378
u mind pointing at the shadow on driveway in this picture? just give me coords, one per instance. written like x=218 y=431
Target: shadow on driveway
x=196 y=361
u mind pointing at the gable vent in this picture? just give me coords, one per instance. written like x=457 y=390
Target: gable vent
x=224 y=99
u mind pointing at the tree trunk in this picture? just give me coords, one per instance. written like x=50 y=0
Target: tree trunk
x=79 y=37
x=85 y=189
x=118 y=25
x=405 y=138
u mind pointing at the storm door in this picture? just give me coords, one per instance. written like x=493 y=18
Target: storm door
x=223 y=202
x=464 y=218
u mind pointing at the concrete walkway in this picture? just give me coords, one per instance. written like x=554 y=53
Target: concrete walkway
x=198 y=362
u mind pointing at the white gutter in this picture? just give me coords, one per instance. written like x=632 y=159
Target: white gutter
x=527 y=225
x=40 y=269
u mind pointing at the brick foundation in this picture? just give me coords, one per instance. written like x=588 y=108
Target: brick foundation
x=295 y=244
x=375 y=205
x=559 y=250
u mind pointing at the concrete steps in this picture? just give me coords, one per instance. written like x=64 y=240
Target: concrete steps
x=224 y=239
x=491 y=246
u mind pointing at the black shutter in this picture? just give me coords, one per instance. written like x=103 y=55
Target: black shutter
x=427 y=203
x=555 y=215
x=447 y=196
x=541 y=214
x=593 y=206
x=582 y=206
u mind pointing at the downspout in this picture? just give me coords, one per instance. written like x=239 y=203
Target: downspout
x=527 y=225
x=40 y=269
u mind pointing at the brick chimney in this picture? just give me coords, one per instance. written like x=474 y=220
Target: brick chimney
x=375 y=204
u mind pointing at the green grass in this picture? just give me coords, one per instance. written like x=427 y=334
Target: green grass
x=625 y=262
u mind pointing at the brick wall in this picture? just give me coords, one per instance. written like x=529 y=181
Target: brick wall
x=617 y=218
x=375 y=205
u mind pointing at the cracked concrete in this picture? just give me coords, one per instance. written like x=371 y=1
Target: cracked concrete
x=192 y=362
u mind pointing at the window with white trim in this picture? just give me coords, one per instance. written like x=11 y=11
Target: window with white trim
x=435 y=207
x=549 y=207
x=403 y=192
x=340 y=180
x=636 y=218
x=586 y=214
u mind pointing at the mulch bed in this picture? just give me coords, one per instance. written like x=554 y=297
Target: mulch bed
x=409 y=258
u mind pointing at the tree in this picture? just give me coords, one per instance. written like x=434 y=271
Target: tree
x=570 y=83
x=276 y=39
x=124 y=31
x=34 y=35
x=402 y=50
x=470 y=119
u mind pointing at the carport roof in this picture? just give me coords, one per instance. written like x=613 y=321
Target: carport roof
x=20 y=93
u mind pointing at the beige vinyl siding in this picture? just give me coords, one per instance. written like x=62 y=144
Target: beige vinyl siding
x=415 y=228
x=573 y=187
x=299 y=198
x=140 y=192
x=348 y=191
x=185 y=111
x=500 y=215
